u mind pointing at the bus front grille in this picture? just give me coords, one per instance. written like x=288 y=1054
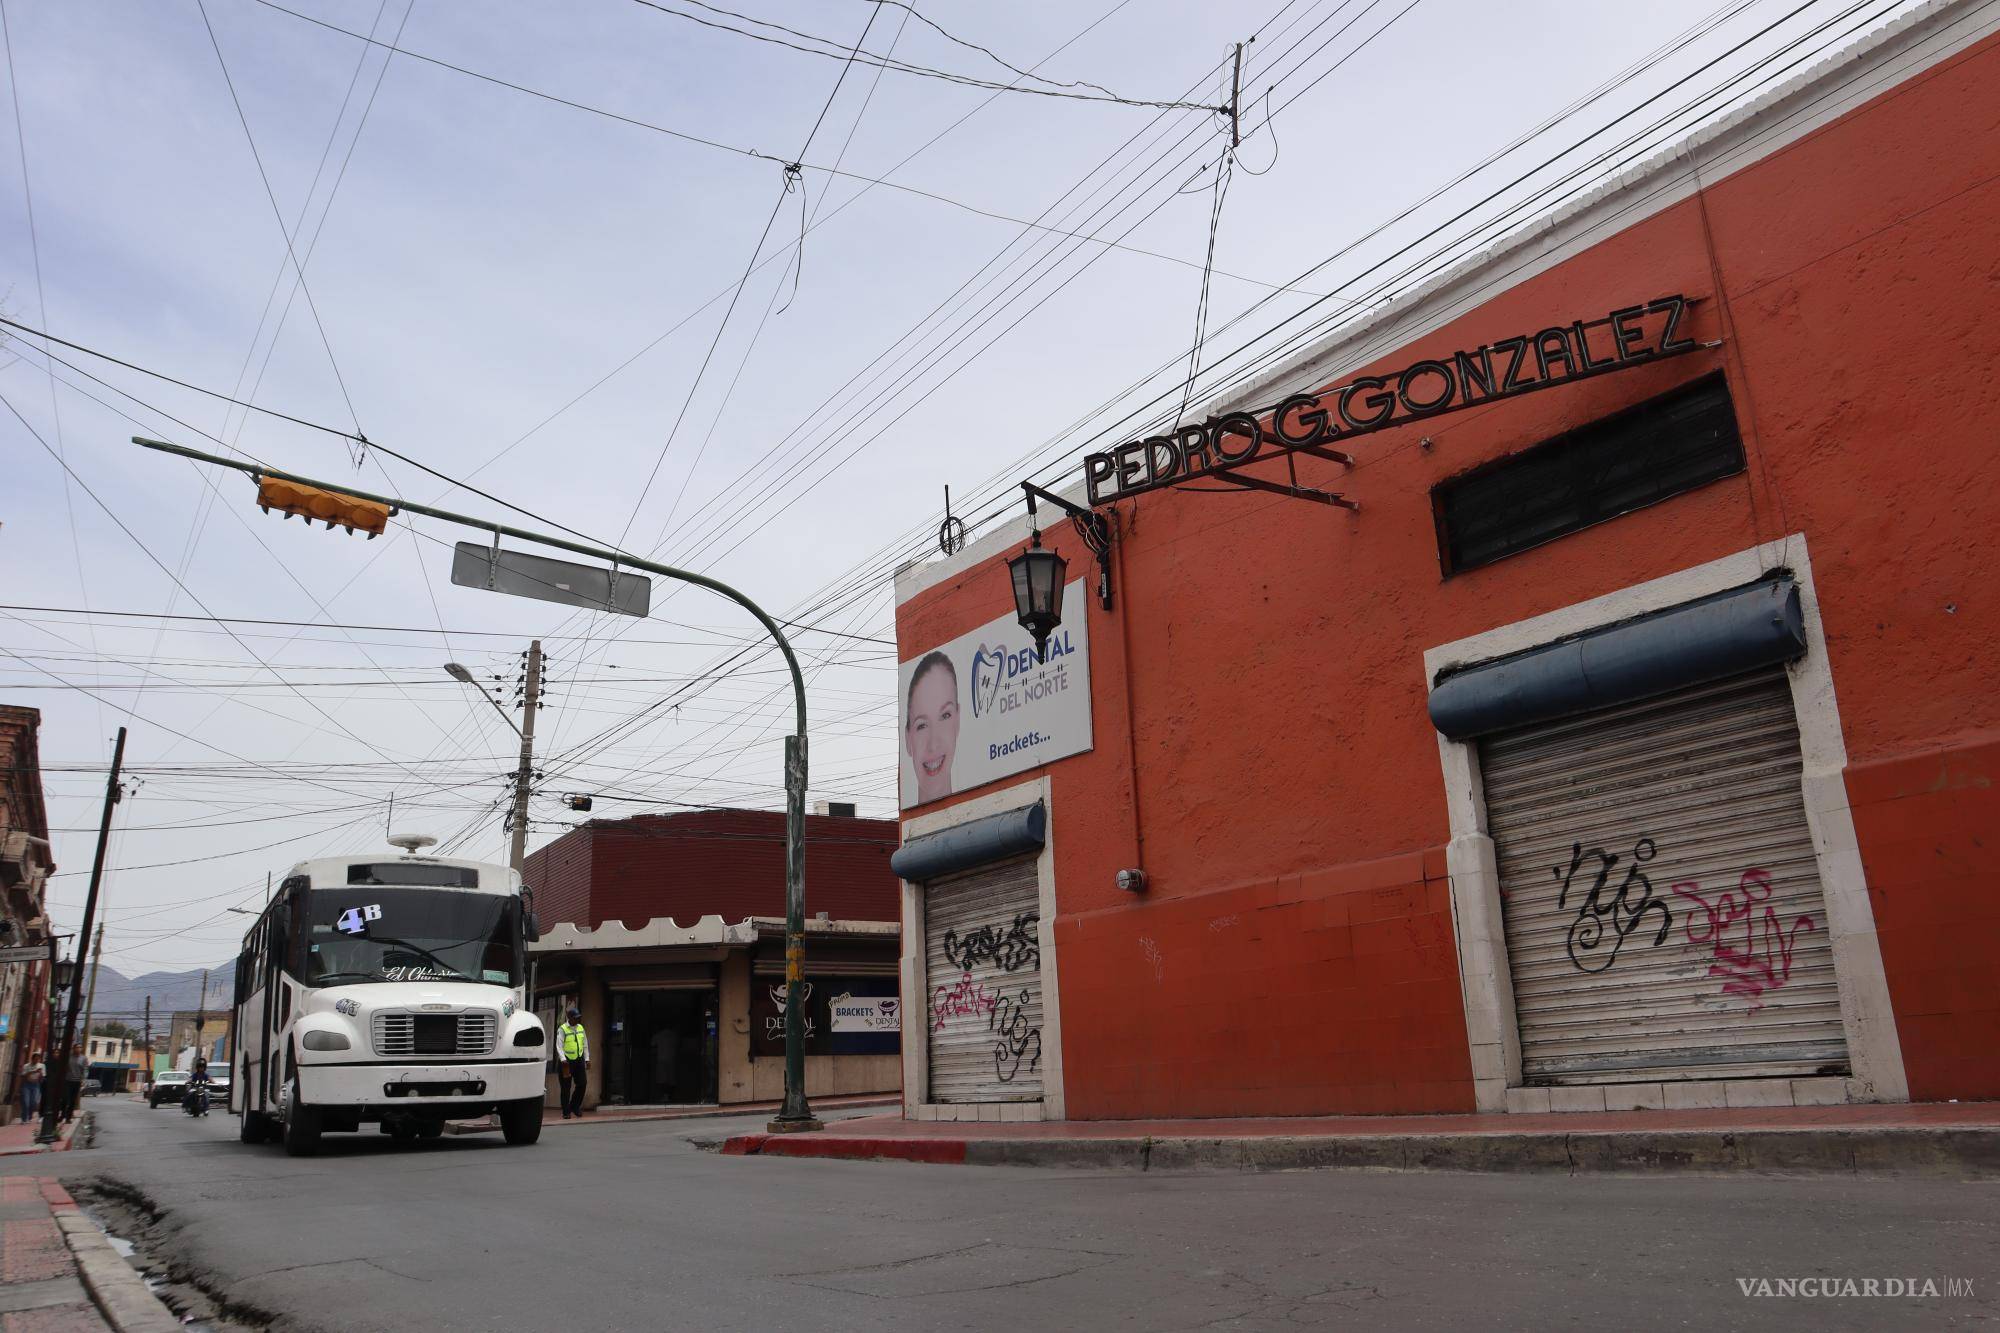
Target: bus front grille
x=469 y=1033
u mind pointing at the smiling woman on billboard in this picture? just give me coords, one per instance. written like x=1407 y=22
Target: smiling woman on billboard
x=930 y=725
x=986 y=705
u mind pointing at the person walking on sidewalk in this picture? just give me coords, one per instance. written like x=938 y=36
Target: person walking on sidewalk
x=79 y=1070
x=573 y=1055
x=32 y=1075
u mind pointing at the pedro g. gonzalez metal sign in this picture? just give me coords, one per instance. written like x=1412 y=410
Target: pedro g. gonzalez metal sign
x=981 y=707
x=1316 y=422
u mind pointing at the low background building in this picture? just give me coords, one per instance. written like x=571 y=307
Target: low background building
x=667 y=932
x=111 y=1061
x=209 y=1029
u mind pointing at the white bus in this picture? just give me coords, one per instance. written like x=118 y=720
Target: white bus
x=388 y=990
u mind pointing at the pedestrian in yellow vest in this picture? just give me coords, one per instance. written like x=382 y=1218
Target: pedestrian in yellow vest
x=573 y=1062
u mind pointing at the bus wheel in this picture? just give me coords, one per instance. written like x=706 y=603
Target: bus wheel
x=430 y=1129
x=521 y=1122
x=301 y=1129
x=255 y=1128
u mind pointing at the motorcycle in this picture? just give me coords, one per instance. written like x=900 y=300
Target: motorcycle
x=196 y=1100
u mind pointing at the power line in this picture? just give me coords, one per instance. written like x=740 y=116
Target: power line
x=42 y=308
x=279 y=215
x=417 y=629
x=1559 y=157
x=904 y=67
x=736 y=149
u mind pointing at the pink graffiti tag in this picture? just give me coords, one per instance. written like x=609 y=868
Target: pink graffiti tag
x=1764 y=960
x=965 y=996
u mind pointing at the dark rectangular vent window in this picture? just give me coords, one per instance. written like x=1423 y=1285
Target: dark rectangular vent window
x=1641 y=456
x=414 y=873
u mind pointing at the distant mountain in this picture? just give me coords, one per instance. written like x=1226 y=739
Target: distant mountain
x=124 y=998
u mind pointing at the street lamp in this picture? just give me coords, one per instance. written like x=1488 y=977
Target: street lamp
x=1038 y=590
x=458 y=673
x=1038 y=574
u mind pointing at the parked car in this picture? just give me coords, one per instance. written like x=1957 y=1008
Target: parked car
x=92 y=1086
x=169 y=1086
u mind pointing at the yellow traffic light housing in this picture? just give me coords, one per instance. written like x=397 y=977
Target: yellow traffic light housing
x=330 y=507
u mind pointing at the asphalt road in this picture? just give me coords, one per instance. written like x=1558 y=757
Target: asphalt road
x=631 y=1227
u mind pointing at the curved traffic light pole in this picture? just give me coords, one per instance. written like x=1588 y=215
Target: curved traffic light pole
x=795 y=1114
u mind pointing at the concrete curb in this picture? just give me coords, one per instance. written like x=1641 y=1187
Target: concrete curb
x=649 y=1117
x=122 y=1296
x=1955 y=1153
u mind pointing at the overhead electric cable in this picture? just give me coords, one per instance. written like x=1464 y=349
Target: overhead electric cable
x=903 y=67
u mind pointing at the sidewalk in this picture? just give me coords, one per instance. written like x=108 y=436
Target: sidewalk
x=1943 y=1139
x=620 y=1115
x=19 y=1137
x=58 y=1273
x=712 y=1110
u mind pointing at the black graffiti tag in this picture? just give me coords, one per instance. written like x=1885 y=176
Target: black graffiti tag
x=1008 y=1021
x=1619 y=915
x=1010 y=951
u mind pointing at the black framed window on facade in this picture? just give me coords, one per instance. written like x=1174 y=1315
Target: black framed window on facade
x=1659 y=449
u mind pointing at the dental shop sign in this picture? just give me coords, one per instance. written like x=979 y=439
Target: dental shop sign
x=981 y=707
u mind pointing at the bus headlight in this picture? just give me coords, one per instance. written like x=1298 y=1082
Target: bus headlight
x=528 y=1037
x=326 y=1041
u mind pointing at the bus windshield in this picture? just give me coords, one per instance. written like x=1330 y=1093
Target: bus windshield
x=362 y=933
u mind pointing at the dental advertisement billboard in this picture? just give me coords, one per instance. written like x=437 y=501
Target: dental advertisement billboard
x=982 y=707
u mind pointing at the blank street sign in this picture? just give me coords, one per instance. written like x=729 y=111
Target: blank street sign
x=25 y=953
x=547 y=580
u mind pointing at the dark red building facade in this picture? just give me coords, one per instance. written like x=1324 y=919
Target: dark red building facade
x=726 y=863
x=665 y=932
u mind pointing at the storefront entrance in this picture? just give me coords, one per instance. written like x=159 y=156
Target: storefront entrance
x=661 y=1048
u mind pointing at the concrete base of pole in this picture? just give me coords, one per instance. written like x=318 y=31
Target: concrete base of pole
x=810 y=1122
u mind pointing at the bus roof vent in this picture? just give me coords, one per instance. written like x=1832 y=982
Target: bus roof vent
x=411 y=843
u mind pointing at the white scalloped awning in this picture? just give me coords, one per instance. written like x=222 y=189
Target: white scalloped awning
x=664 y=932
x=660 y=932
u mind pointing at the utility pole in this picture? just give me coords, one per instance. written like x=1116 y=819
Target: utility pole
x=90 y=996
x=525 y=774
x=146 y=1074
x=201 y=1011
x=59 y=1076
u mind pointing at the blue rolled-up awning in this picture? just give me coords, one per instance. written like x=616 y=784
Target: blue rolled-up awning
x=975 y=843
x=1724 y=635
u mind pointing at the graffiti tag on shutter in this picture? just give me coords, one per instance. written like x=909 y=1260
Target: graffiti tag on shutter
x=1764 y=962
x=1603 y=923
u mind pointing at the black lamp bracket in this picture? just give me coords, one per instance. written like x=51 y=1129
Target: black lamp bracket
x=1096 y=529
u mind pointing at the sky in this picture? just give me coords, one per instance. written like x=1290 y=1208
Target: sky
x=524 y=232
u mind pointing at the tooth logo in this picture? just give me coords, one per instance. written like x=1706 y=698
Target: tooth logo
x=986 y=667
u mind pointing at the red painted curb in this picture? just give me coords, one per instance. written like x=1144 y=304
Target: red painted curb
x=58 y=1198
x=949 y=1152
x=743 y=1145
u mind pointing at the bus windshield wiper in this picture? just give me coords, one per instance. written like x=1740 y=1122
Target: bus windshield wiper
x=325 y=977
x=421 y=951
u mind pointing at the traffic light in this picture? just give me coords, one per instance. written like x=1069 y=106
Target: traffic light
x=330 y=507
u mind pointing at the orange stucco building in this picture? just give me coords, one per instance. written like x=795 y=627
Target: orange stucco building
x=1633 y=743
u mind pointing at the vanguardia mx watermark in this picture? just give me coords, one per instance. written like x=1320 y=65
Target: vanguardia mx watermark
x=1841 y=1287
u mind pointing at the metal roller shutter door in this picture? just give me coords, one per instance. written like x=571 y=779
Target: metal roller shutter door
x=984 y=964
x=1662 y=902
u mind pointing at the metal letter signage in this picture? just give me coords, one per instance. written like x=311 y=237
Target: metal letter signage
x=1315 y=422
